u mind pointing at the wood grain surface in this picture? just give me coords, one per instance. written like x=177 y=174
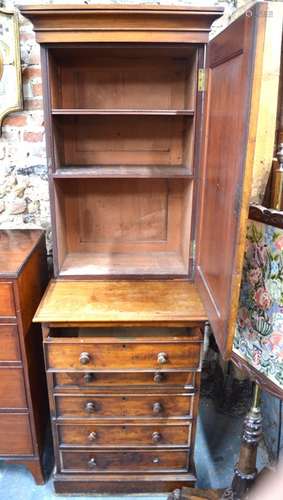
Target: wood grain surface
x=120 y=302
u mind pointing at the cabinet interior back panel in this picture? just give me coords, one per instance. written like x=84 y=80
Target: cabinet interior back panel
x=125 y=140
x=123 y=78
x=131 y=226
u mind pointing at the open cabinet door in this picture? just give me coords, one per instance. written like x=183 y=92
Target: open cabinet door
x=233 y=101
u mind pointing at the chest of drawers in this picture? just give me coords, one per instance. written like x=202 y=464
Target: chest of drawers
x=23 y=394
x=123 y=397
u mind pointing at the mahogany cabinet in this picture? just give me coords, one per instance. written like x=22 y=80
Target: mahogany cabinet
x=23 y=395
x=152 y=135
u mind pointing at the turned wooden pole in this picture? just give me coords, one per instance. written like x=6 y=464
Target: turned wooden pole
x=245 y=471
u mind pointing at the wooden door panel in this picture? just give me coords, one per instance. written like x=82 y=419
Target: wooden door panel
x=232 y=104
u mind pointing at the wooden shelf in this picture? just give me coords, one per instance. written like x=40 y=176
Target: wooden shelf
x=119 y=302
x=131 y=112
x=128 y=172
x=123 y=264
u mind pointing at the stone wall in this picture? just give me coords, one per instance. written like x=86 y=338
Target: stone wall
x=24 y=199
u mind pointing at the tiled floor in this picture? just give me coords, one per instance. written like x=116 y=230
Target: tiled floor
x=217 y=447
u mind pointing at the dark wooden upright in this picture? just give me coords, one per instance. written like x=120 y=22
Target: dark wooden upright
x=150 y=155
x=23 y=394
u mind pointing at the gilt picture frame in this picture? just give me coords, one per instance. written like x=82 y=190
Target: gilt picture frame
x=11 y=99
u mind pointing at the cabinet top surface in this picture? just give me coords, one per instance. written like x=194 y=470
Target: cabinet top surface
x=120 y=302
x=121 y=7
x=15 y=248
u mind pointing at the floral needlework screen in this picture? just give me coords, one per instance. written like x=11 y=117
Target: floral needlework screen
x=259 y=334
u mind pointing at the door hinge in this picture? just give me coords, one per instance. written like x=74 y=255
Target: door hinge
x=201 y=80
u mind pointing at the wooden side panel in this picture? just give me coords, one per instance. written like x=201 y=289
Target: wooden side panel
x=234 y=67
x=32 y=283
x=30 y=286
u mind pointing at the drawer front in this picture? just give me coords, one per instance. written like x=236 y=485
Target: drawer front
x=12 y=388
x=7 y=304
x=79 y=380
x=15 y=435
x=124 y=435
x=119 y=461
x=124 y=406
x=9 y=344
x=123 y=355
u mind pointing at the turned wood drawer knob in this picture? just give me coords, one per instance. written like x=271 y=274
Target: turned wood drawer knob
x=156 y=436
x=92 y=462
x=157 y=408
x=90 y=406
x=158 y=377
x=156 y=460
x=88 y=377
x=84 y=358
x=92 y=436
x=162 y=358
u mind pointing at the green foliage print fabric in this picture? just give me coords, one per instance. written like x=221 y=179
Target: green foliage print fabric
x=259 y=333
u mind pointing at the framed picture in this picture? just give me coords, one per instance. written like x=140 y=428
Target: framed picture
x=258 y=343
x=10 y=65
